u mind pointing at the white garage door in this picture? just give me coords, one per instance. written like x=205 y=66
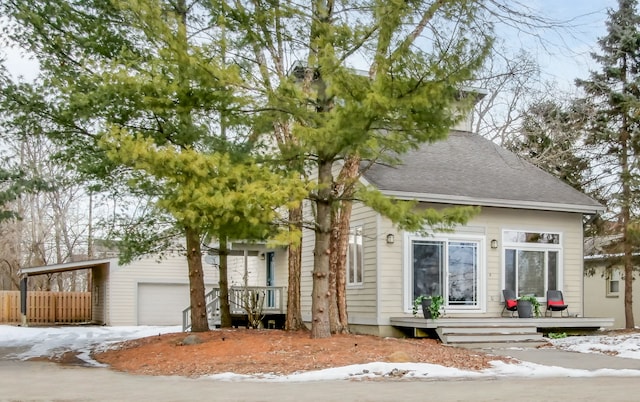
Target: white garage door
x=161 y=304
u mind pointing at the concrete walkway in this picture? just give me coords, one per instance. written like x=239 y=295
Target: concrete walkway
x=566 y=359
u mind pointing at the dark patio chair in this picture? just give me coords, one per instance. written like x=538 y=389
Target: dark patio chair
x=555 y=302
x=510 y=302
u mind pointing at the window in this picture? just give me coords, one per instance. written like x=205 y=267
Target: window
x=613 y=282
x=449 y=268
x=354 y=257
x=531 y=262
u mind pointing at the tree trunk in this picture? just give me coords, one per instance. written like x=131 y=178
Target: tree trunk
x=321 y=293
x=340 y=224
x=339 y=246
x=294 y=313
x=625 y=210
x=627 y=242
x=199 y=322
x=223 y=282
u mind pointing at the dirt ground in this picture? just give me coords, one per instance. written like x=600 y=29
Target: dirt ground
x=254 y=351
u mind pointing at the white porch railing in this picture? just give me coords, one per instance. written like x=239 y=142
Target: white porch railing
x=242 y=300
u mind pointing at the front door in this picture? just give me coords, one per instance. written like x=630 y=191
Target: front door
x=447 y=268
x=270 y=260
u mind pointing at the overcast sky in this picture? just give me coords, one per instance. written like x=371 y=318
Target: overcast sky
x=567 y=54
x=562 y=53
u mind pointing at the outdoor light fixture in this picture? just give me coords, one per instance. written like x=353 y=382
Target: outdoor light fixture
x=390 y=238
x=494 y=243
x=261 y=255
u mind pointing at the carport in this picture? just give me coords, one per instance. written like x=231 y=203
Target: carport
x=99 y=275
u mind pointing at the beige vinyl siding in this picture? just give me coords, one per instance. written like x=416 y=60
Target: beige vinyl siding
x=391 y=280
x=122 y=294
x=306 y=281
x=569 y=225
x=361 y=299
x=598 y=304
x=99 y=292
x=491 y=222
x=362 y=303
x=281 y=275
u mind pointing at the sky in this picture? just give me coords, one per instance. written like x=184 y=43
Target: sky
x=563 y=53
x=28 y=342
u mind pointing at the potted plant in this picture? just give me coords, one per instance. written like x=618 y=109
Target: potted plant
x=528 y=307
x=430 y=306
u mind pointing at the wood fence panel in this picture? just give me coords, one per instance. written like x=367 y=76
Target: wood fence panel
x=73 y=307
x=46 y=307
x=9 y=306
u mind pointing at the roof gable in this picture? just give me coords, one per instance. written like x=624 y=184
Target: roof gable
x=468 y=169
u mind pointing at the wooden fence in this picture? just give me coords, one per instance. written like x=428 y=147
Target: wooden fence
x=46 y=307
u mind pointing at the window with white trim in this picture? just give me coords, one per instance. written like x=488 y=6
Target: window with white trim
x=355 y=271
x=613 y=282
x=532 y=262
x=450 y=268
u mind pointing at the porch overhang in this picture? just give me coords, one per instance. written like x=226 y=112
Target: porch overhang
x=69 y=266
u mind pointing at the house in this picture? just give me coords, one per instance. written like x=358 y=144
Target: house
x=604 y=280
x=153 y=291
x=527 y=237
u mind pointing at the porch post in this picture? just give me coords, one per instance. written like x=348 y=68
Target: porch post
x=23 y=300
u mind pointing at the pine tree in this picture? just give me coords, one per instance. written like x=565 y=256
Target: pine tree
x=613 y=123
x=550 y=138
x=415 y=56
x=172 y=73
x=140 y=98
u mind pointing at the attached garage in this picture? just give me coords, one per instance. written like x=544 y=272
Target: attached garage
x=153 y=291
x=161 y=304
x=145 y=292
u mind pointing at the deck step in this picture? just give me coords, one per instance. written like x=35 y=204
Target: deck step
x=470 y=338
x=498 y=329
x=501 y=345
x=477 y=336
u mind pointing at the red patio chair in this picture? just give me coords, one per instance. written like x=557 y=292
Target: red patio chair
x=555 y=302
x=510 y=302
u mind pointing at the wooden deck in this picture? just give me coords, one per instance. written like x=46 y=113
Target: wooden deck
x=481 y=332
x=541 y=323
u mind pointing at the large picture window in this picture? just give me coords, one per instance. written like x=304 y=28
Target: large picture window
x=532 y=262
x=448 y=268
x=355 y=264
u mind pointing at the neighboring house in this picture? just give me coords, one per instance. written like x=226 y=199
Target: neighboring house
x=604 y=281
x=527 y=237
x=150 y=291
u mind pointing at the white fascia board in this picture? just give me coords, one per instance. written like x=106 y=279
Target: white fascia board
x=68 y=266
x=494 y=202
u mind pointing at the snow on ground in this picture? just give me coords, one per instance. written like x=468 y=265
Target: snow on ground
x=24 y=343
x=31 y=342
x=625 y=345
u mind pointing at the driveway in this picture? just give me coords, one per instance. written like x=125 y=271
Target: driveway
x=599 y=377
x=38 y=381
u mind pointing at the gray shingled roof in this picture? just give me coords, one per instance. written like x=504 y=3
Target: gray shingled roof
x=471 y=170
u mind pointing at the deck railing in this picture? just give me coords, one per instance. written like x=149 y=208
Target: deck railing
x=242 y=300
